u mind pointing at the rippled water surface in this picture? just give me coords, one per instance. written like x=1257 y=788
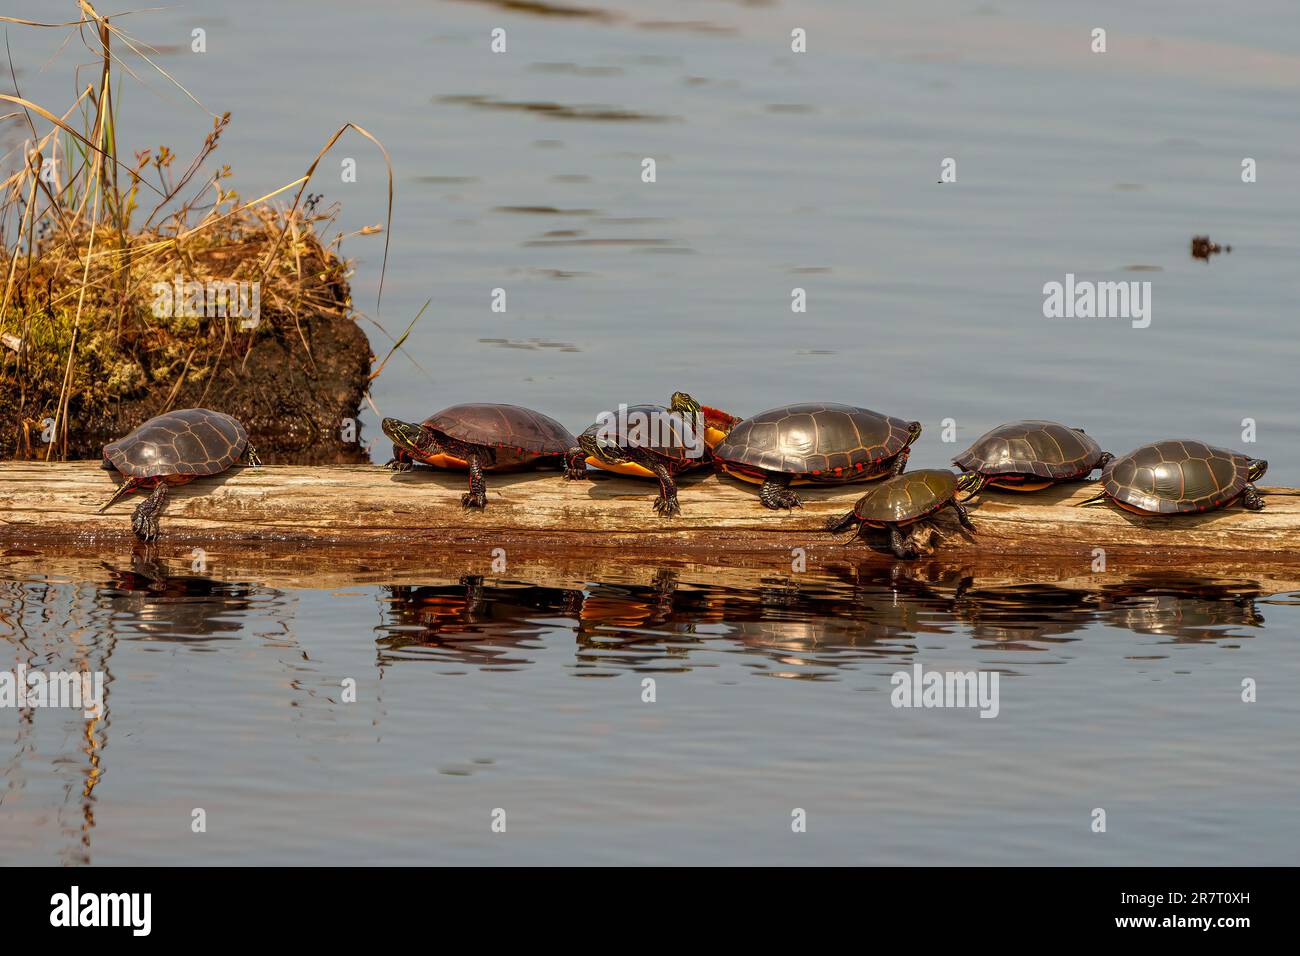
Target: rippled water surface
x=770 y=694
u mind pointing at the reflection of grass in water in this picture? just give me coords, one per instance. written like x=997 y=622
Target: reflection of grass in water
x=88 y=238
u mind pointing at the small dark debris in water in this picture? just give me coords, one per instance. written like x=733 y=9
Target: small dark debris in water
x=1143 y=268
x=817 y=352
x=561 y=233
x=1203 y=248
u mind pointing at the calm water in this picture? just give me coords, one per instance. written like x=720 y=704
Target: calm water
x=775 y=171
x=475 y=695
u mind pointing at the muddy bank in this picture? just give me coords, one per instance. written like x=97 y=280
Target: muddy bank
x=294 y=398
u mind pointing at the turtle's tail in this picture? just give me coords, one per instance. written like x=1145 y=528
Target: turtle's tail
x=1096 y=499
x=124 y=489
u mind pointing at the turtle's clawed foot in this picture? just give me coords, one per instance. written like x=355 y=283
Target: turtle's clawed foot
x=781 y=499
x=144 y=520
x=250 y=457
x=1252 y=499
x=575 y=465
x=667 y=507
x=398 y=465
x=474 y=499
x=776 y=495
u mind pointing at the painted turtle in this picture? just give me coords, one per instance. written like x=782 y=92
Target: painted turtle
x=716 y=425
x=1030 y=455
x=814 y=443
x=482 y=437
x=905 y=499
x=172 y=449
x=1180 y=477
x=657 y=443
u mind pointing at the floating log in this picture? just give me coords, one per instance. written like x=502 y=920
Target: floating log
x=368 y=506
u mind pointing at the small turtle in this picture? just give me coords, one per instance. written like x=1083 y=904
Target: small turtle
x=629 y=417
x=906 y=499
x=1180 y=477
x=482 y=437
x=1031 y=455
x=814 y=443
x=658 y=443
x=172 y=449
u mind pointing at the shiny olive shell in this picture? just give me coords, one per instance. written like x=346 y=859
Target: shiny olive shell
x=907 y=497
x=1177 y=476
x=190 y=441
x=1041 y=448
x=815 y=438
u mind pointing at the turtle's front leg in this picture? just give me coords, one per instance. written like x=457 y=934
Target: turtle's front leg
x=900 y=461
x=901 y=544
x=144 y=520
x=575 y=465
x=666 y=504
x=775 y=493
x=477 y=496
x=963 y=516
x=400 y=461
x=1252 y=499
x=250 y=457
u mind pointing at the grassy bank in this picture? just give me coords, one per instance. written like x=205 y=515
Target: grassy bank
x=136 y=282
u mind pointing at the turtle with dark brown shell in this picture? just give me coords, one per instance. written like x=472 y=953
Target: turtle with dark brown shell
x=1030 y=455
x=481 y=437
x=1181 y=476
x=905 y=500
x=814 y=443
x=172 y=449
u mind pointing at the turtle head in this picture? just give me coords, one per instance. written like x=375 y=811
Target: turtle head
x=913 y=431
x=410 y=437
x=1257 y=468
x=971 y=482
x=683 y=404
x=602 y=448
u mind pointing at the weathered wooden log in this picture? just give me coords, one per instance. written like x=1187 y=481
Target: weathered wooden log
x=421 y=510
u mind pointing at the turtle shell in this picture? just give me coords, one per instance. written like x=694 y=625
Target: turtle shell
x=907 y=497
x=503 y=426
x=191 y=441
x=1176 y=477
x=1041 y=448
x=815 y=438
x=663 y=433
